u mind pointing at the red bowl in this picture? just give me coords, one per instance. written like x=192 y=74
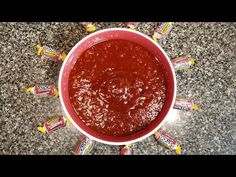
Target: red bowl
x=126 y=34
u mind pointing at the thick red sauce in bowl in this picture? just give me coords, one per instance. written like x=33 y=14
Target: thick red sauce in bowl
x=117 y=87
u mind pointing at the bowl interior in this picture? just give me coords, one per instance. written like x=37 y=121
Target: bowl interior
x=108 y=34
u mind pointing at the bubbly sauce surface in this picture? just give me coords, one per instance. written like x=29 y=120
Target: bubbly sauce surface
x=117 y=87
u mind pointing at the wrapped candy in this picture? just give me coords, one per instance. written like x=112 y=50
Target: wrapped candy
x=161 y=32
x=182 y=63
x=132 y=25
x=89 y=26
x=49 y=53
x=166 y=140
x=43 y=90
x=53 y=124
x=84 y=147
x=184 y=104
x=126 y=150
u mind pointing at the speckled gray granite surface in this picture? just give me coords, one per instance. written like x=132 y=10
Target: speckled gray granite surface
x=211 y=83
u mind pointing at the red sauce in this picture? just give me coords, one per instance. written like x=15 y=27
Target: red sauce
x=117 y=87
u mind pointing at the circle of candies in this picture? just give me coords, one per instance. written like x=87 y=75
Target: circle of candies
x=86 y=145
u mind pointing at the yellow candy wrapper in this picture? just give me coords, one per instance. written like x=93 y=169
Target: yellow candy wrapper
x=53 y=124
x=162 y=32
x=84 y=147
x=89 y=26
x=166 y=140
x=132 y=25
x=49 y=53
x=182 y=63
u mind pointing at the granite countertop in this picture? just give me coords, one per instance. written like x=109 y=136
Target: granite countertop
x=211 y=83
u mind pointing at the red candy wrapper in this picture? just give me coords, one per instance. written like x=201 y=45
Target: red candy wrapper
x=89 y=26
x=43 y=90
x=53 y=124
x=126 y=150
x=182 y=63
x=49 y=53
x=132 y=25
x=184 y=104
x=166 y=140
x=84 y=147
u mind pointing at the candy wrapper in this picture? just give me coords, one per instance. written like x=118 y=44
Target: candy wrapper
x=89 y=26
x=49 y=53
x=166 y=140
x=53 y=124
x=43 y=90
x=84 y=147
x=182 y=63
x=132 y=25
x=184 y=104
x=126 y=150
x=161 y=32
